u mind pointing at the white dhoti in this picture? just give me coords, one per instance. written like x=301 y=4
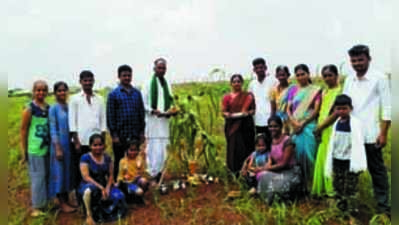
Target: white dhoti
x=157 y=133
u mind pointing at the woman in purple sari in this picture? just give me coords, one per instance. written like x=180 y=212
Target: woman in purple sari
x=302 y=110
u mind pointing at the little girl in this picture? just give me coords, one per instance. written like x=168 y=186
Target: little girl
x=346 y=154
x=132 y=172
x=35 y=141
x=257 y=162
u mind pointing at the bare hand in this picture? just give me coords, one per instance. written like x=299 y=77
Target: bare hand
x=59 y=153
x=298 y=127
x=155 y=112
x=115 y=140
x=77 y=146
x=381 y=141
x=227 y=115
x=104 y=193
x=142 y=138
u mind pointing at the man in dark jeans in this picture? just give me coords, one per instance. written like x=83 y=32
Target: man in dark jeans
x=86 y=117
x=125 y=115
x=370 y=93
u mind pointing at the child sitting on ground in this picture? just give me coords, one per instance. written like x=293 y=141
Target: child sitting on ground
x=132 y=172
x=346 y=154
x=256 y=162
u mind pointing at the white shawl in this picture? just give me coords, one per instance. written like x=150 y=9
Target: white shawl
x=358 y=160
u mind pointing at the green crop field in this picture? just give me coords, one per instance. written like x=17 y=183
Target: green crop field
x=201 y=204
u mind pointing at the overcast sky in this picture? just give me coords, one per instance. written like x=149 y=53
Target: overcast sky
x=55 y=40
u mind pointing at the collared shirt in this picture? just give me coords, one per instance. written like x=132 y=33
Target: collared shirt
x=86 y=119
x=125 y=113
x=370 y=94
x=261 y=92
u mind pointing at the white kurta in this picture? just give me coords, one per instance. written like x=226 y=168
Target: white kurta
x=156 y=131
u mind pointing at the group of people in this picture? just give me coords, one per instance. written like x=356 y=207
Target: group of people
x=280 y=135
x=289 y=139
x=64 y=143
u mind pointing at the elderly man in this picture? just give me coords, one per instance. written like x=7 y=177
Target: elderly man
x=158 y=103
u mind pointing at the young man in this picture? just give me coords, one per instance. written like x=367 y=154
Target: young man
x=158 y=103
x=86 y=117
x=125 y=115
x=370 y=93
x=261 y=88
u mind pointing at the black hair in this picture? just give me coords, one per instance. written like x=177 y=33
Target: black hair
x=59 y=84
x=36 y=83
x=276 y=119
x=358 y=50
x=239 y=77
x=124 y=68
x=330 y=67
x=86 y=74
x=343 y=100
x=258 y=61
x=303 y=67
x=136 y=143
x=96 y=136
x=266 y=139
x=283 y=68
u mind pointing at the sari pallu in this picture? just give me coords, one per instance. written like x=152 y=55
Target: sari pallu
x=239 y=132
x=281 y=99
x=302 y=101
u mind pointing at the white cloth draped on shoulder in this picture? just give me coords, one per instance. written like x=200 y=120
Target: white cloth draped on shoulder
x=156 y=130
x=358 y=160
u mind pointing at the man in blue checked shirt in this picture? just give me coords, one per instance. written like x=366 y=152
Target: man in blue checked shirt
x=125 y=115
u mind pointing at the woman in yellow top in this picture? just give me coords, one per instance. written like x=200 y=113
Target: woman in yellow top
x=278 y=96
x=132 y=172
x=322 y=185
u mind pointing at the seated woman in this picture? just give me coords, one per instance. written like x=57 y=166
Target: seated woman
x=132 y=172
x=282 y=177
x=256 y=162
x=102 y=201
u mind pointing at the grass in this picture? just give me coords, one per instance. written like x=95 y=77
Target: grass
x=192 y=207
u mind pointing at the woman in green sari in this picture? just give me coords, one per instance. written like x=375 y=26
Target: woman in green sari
x=302 y=110
x=322 y=185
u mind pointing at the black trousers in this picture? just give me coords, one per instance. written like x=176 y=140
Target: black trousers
x=379 y=176
x=345 y=184
x=119 y=152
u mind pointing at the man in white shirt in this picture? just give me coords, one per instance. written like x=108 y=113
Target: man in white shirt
x=370 y=93
x=261 y=88
x=86 y=117
x=158 y=103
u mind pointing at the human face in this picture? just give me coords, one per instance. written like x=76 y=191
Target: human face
x=97 y=147
x=330 y=78
x=160 y=69
x=40 y=92
x=274 y=129
x=360 y=63
x=61 y=94
x=343 y=111
x=260 y=70
x=282 y=76
x=302 y=77
x=236 y=83
x=132 y=152
x=261 y=145
x=125 y=78
x=87 y=83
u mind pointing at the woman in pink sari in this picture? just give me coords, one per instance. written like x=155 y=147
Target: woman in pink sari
x=238 y=108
